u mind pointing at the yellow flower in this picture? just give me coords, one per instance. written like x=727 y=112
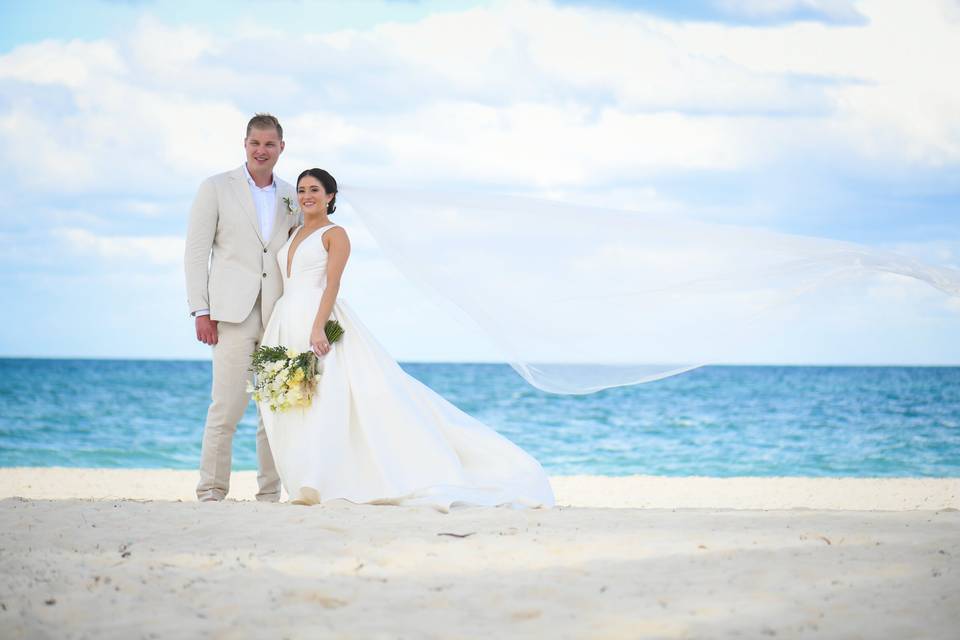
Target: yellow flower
x=291 y=353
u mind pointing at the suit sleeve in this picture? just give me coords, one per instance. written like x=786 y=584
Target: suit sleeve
x=200 y=233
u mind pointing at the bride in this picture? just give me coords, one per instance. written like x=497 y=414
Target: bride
x=373 y=434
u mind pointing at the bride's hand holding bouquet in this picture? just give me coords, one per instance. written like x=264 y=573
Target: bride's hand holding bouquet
x=319 y=343
x=285 y=378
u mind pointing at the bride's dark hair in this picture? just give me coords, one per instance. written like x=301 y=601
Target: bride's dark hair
x=329 y=185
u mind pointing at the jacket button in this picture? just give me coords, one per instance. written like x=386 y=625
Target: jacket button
x=264 y=275
x=264 y=249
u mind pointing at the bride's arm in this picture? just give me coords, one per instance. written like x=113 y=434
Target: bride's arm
x=337 y=253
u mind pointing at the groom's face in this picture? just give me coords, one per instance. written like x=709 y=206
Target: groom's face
x=263 y=147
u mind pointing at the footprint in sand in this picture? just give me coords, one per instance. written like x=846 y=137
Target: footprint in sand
x=327 y=602
x=528 y=614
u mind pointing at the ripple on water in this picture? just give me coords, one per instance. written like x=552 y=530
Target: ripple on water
x=718 y=421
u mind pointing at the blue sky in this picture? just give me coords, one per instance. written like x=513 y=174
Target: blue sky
x=36 y=20
x=821 y=117
x=26 y=22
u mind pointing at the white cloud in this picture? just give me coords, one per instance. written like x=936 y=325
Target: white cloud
x=939 y=251
x=546 y=145
x=597 y=106
x=520 y=93
x=71 y=64
x=144 y=208
x=153 y=53
x=40 y=152
x=836 y=10
x=164 y=251
x=894 y=99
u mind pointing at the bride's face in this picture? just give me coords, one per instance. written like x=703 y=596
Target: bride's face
x=312 y=197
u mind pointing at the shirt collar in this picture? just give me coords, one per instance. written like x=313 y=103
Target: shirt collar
x=273 y=181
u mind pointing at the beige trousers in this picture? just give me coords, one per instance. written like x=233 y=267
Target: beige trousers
x=231 y=364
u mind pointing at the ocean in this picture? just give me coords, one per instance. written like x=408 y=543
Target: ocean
x=717 y=421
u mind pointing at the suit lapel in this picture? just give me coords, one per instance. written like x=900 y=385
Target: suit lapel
x=280 y=213
x=242 y=192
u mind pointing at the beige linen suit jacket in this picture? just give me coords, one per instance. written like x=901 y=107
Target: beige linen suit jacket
x=227 y=263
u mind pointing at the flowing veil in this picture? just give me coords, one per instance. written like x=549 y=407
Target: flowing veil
x=581 y=298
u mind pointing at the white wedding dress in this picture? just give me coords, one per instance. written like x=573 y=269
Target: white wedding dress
x=374 y=434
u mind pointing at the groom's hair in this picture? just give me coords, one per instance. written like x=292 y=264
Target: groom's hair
x=264 y=121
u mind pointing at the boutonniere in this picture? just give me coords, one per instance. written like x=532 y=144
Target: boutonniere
x=291 y=210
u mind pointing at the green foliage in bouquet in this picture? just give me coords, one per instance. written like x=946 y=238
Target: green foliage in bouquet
x=333 y=331
x=285 y=378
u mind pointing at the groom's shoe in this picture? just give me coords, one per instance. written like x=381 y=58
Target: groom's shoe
x=268 y=497
x=211 y=496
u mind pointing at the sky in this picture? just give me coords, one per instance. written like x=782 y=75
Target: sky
x=820 y=117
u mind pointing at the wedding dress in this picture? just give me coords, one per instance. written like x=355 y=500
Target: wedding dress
x=374 y=434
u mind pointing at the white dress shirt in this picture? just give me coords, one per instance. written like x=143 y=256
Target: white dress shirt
x=265 y=202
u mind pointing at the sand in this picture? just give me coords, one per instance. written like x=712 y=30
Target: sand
x=129 y=554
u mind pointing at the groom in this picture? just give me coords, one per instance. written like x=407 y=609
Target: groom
x=238 y=222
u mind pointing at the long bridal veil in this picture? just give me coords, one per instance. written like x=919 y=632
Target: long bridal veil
x=581 y=298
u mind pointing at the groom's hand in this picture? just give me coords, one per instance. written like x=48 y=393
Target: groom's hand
x=206 y=330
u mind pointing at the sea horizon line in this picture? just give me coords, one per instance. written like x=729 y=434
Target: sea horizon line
x=75 y=358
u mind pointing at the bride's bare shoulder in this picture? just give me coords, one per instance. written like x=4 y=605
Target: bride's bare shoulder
x=336 y=237
x=336 y=232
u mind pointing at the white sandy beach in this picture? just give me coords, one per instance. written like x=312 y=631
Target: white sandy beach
x=130 y=554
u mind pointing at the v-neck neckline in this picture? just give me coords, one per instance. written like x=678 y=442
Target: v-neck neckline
x=292 y=251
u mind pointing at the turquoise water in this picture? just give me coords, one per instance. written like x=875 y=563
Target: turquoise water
x=715 y=421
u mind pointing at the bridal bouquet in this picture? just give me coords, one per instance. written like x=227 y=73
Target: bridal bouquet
x=286 y=378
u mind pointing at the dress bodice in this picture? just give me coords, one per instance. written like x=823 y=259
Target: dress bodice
x=308 y=269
